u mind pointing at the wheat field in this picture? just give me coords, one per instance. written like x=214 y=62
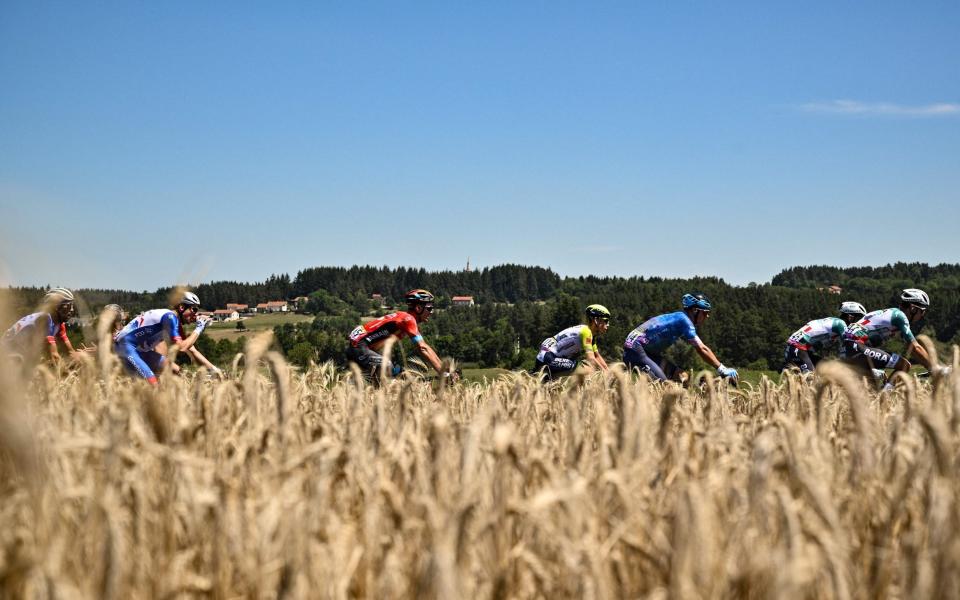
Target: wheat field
x=287 y=484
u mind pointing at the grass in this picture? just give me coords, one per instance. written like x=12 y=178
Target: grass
x=308 y=484
x=254 y=324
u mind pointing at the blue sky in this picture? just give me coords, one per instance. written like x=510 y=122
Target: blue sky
x=143 y=144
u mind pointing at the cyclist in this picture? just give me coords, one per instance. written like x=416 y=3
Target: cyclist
x=862 y=339
x=26 y=337
x=645 y=345
x=115 y=317
x=559 y=354
x=367 y=340
x=137 y=343
x=805 y=347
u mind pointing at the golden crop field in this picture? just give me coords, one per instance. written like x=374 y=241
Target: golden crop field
x=284 y=484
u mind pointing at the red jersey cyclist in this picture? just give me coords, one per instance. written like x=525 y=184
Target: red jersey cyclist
x=367 y=340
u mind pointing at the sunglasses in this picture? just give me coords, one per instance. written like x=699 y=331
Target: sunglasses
x=428 y=307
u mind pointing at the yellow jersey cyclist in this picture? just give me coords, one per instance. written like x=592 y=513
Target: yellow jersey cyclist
x=862 y=339
x=806 y=346
x=645 y=345
x=560 y=354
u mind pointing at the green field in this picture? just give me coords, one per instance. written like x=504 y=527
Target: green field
x=254 y=324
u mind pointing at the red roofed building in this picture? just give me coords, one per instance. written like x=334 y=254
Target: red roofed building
x=462 y=300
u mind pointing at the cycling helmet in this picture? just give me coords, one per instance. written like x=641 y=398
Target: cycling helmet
x=59 y=295
x=915 y=296
x=116 y=309
x=598 y=311
x=696 y=301
x=852 y=308
x=418 y=297
x=190 y=299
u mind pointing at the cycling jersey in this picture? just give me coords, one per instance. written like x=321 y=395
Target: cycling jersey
x=399 y=323
x=149 y=329
x=879 y=326
x=22 y=335
x=818 y=335
x=660 y=332
x=569 y=343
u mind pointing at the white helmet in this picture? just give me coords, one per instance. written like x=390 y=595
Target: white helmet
x=915 y=296
x=190 y=299
x=852 y=308
x=116 y=309
x=58 y=295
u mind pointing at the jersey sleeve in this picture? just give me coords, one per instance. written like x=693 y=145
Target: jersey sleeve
x=689 y=331
x=838 y=326
x=171 y=326
x=408 y=327
x=586 y=340
x=52 y=330
x=62 y=332
x=900 y=321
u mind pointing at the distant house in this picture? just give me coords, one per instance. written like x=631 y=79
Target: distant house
x=300 y=301
x=261 y=308
x=462 y=300
x=378 y=299
x=833 y=289
x=240 y=308
x=226 y=314
x=275 y=306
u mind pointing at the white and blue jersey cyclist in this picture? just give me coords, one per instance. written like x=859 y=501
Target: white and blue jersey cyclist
x=136 y=343
x=645 y=345
x=28 y=335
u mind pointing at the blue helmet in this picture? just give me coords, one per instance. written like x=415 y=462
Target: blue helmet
x=696 y=301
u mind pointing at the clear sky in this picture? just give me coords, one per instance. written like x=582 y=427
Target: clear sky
x=142 y=143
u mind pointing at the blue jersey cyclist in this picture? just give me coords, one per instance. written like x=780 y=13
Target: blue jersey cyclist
x=645 y=345
x=27 y=337
x=806 y=346
x=559 y=355
x=138 y=342
x=862 y=339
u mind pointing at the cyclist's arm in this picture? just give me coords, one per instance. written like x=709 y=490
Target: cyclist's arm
x=200 y=358
x=705 y=352
x=428 y=354
x=594 y=359
x=52 y=347
x=174 y=331
x=902 y=323
x=914 y=348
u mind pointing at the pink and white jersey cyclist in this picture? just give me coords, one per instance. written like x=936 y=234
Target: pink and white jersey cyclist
x=27 y=337
x=136 y=343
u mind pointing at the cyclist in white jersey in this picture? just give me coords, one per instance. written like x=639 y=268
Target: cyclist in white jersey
x=559 y=354
x=862 y=340
x=806 y=346
x=137 y=343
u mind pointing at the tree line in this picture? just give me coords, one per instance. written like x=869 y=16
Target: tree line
x=518 y=306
